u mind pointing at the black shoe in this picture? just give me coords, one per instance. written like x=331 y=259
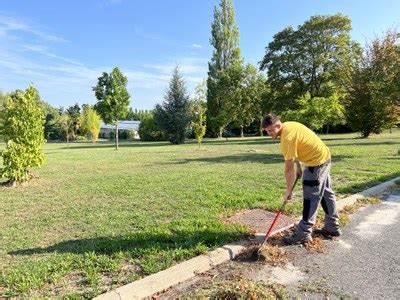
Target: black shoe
x=326 y=233
x=297 y=239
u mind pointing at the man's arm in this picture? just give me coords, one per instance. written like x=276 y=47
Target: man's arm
x=289 y=176
x=299 y=171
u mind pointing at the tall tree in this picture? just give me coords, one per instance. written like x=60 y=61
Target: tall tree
x=173 y=115
x=51 y=116
x=74 y=113
x=90 y=122
x=317 y=58
x=198 y=109
x=113 y=98
x=374 y=102
x=23 y=134
x=247 y=102
x=65 y=123
x=225 y=40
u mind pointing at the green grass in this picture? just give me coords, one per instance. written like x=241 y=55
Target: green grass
x=98 y=218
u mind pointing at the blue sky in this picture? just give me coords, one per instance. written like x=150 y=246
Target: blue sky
x=63 y=46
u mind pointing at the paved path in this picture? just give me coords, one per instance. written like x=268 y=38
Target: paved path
x=365 y=262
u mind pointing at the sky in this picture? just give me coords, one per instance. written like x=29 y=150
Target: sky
x=63 y=46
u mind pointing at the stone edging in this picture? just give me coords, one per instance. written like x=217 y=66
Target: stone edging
x=178 y=273
x=373 y=191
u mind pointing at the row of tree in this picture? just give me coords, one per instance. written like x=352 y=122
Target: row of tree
x=315 y=75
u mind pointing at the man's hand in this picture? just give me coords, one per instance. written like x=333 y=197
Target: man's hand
x=288 y=196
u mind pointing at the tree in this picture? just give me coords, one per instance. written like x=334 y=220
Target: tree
x=317 y=111
x=51 y=116
x=90 y=122
x=317 y=58
x=374 y=102
x=247 y=101
x=228 y=95
x=137 y=114
x=113 y=98
x=74 y=113
x=149 y=131
x=225 y=40
x=23 y=134
x=198 y=108
x=173 y=115
x=65 y=123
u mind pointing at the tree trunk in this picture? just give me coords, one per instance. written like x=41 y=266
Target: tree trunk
x=220 y=133
x=261 y=129
x=327 y=128
x=116 y=136
x=67 y=139
x=241 y=131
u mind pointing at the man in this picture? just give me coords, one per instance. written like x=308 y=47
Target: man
x=300 y=145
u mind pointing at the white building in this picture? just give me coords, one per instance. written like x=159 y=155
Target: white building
x=124 y=127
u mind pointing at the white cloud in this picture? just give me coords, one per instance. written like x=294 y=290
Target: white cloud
x=8 y=24
x=187 y=65
x=196 y=46
x=63 y=81
x=43 y=50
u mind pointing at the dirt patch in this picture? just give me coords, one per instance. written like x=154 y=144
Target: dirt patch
x=259 y=220
x=317 y=245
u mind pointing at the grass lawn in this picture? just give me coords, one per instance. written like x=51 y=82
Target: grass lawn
x=99 y=218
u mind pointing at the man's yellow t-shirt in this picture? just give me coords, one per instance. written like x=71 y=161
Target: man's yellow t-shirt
x=300 y=143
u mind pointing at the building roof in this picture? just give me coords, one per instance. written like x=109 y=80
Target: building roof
x=125 y=125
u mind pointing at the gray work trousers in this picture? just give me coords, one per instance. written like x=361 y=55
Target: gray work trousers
x=317 y=187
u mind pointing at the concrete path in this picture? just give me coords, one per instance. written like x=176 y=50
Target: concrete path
x=365 y=262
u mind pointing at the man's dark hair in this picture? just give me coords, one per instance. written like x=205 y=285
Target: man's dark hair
x=269 y=120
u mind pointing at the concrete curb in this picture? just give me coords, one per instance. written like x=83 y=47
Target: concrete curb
x=160 y=281
x=185 y=270
x=373 y=191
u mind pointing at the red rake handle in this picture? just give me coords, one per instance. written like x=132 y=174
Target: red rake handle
x=278 y=214
x=273 y=224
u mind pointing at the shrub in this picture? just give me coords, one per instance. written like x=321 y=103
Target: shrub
x=149 y=131
x=23 y=134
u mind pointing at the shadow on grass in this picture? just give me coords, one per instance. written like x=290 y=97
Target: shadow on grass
x=391 y=158
x=358 y=187
x=101 y=145
x=263 y=158
x=362 y=144
x=139 y=243
x=237 y=141
x=251 y=157
x=124 y=144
